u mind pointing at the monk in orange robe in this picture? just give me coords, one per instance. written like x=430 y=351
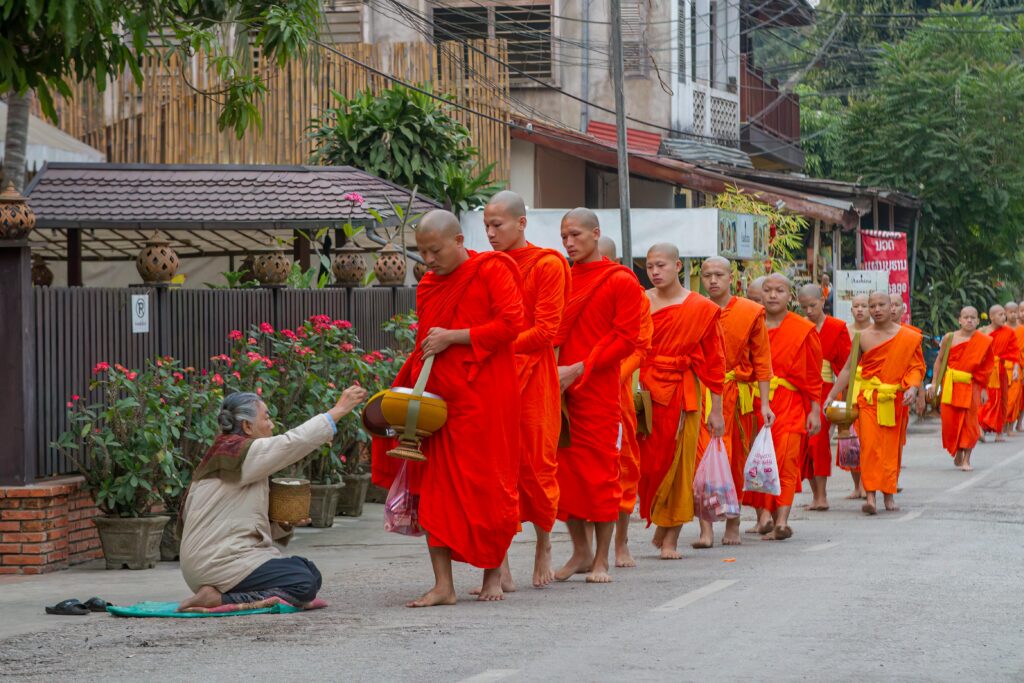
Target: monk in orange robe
x=686 y=352
x=992 y=415
x=1020 y=342
x=961 y=386
x=470 y=309
x=748 y=371
x=892 y=368
x=545 y=274
x=600 y=329
x=1014 y=389
x=795 y=395
x=861 y=322
x=754 y=291
x=835 y=350
x=898 y=307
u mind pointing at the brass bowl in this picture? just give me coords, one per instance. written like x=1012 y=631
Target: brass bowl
x=842 y=416
x=395 y=405
x=373 y=417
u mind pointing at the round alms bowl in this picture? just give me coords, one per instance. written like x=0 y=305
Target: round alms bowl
x=395 y=405
x=373 y=417
x=838 y=413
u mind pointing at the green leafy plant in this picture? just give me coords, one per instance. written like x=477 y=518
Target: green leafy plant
x=788 y=229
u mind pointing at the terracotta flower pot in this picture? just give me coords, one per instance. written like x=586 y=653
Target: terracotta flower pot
x=349 y=266
x=390 y=266
x=170 y=543
x=42 y=276
x=16 y=217
x=132 y=542
x=324 y=504
x=157 y=263
x=272 y=268
x=350 y=504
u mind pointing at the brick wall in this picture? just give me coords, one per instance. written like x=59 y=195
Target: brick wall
x=46 y=527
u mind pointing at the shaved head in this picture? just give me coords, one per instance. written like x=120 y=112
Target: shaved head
x=670 y=251
x=997 y=315
x=755 y=291
x=969 y=310
x=1012 y=313
x=583 y=217
x=859 y=309
x=440 y=242
x=716 y=276
x=860 y=299
x=716 y=261
x=608 y=248
x=880 y=307
x=580 y=232
x=777 y=294
x=968 y=320
x=440 y=221
x=779 y=277
x=510 y=202
x=1010 y=304
x=811 y=291
x=812 y=301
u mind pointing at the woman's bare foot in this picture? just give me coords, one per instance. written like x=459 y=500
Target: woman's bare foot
x=434 y=597
x=703 y=543
x=543 y=574
x=624 y=558
x=966 y=467
x=670 y=552
x=205 y=598
x=576 y=565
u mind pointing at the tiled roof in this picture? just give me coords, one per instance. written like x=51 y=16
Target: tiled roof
x=201 y=197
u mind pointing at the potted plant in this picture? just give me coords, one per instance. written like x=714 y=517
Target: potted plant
x=355 y=470
x=124 y=447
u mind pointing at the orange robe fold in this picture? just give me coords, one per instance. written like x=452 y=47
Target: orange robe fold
x=545 y=274
x=960 y=428
x=467 y=486
x=1018 y=407
x=899 y=364
x=993 y=414
x=748 y=360
x=835 y=349
x=686 y=352
x=601 y=327
x=796 y=360
x=629 y=453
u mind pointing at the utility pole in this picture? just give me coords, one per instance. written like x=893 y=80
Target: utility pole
x=620 y=128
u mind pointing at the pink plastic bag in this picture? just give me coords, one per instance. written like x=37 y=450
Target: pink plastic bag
x=714 y=494
x=848 y=455
x=402 y=508
x=761 y=473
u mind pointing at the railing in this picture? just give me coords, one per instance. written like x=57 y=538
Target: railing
x=758 y=95
x=78 y=327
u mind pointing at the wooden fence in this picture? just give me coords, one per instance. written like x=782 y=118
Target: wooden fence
x=78 y=327
x=167 y=121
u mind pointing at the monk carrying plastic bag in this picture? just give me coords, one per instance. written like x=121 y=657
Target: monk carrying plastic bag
x=402 y=508
x=761 y=473
x=714 y=494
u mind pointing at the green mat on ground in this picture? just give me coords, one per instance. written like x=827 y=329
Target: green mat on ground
x=169 y=609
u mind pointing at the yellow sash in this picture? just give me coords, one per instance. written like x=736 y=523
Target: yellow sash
x=957 y=376
x=775 y=384
x=746 y=395
x=857 y=381
x=875 y=391
x=826 y=372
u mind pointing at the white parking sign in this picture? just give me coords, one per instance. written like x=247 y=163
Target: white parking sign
x=140 y=313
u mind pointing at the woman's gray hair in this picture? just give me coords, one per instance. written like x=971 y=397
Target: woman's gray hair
x=235 y=408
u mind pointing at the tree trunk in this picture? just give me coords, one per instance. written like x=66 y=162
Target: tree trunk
x=16 y=142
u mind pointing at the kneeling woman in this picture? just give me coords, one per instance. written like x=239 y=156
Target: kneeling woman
x=228 y=554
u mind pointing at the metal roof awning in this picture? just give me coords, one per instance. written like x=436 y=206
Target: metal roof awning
x=48 y=143
x=685 y=174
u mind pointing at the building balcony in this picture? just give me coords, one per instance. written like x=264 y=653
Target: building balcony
x=769 y=121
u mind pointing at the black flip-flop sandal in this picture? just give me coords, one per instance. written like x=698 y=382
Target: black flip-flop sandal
x=68 y=608
x=96 y=605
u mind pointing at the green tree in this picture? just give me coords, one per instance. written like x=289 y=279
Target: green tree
x=406 y=137
x=44 y=44
x=945 y=121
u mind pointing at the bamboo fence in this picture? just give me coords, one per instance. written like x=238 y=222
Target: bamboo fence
x=165 y=121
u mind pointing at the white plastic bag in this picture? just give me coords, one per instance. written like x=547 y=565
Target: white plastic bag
x=761 y=472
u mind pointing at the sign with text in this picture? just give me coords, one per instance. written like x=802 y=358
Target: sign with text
x=887 y=251
x=140 y=313
x=850 y=283
x=742 y=236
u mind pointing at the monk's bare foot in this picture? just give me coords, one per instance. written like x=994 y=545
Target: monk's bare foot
x=205 y=597
x=670 y=553
x=575 y=565
x=890 y=504
x=820 y=507
x=624 y=558
x=732 y=538
x=599 y=577
x=434 y=597
x=543 y=574
x=856 y=495
x=966 y=468
x=508 y=584
x=868 y=509
x=704 y=542
x=780 y=533
x=491 y=590
x=761 y=528
x=958 y=459
x=659 y=536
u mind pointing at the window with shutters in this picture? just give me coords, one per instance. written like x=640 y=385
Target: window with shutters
x=526 y=28
x=634 y=38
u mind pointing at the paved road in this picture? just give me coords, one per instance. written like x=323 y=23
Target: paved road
x=932 y=593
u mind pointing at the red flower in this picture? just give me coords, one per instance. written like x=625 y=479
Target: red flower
x=343 y=324
x=70 y=404
x=254 y=357
x=217 y=379
x=203 y=373
x=353 y=197
x=267 y=362
x=75 y=397
x=235 y=335
x=289 y=334
x=369 y=359
x=237 y=375
x=131 y=376
x=259 y=391
x=414 y=326
x=347 y=348
x=378 y=355
x=101 y=367
x=159 y=363
x=252 y=341
x=344 y=459
x=178 y=376
x=266 y=328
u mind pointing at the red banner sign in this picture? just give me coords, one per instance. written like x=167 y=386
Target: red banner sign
x=888 y=251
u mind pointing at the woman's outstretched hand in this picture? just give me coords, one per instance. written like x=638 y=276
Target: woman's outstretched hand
x=348 y=400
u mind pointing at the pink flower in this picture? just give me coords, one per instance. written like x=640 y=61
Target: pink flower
x=378 y=355
x=237 y=375
x=353 y=197
x=266 y=328
x=301 y=331
x=101 y=367
x=344 y=459
x=320 y=319
x=75 y=397
x=252 y=341
x=178 y=376
x=70 y=404
x=343 y=324
x=203 y=373
x=235 y=335
x=414 y=326
x=217 y=379
x=131 y=376
x=347 y=348
x=331 y=385
x=268 y=362
x=254 y=357
x=259 y=391
x=369 y=359
x=159 y=363
x=163 y=401
x=289 y=334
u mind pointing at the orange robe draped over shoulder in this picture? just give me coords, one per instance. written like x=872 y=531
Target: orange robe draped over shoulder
x=1019 y=406
x=835 y=349
x=992 y=415
x=796 y=362
x=629 y=452
x=601 y=327
x=887 y=371
x=686 y=352
x=467 y=486
x=748 y=360
x=967 y=371
x=546 y=282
